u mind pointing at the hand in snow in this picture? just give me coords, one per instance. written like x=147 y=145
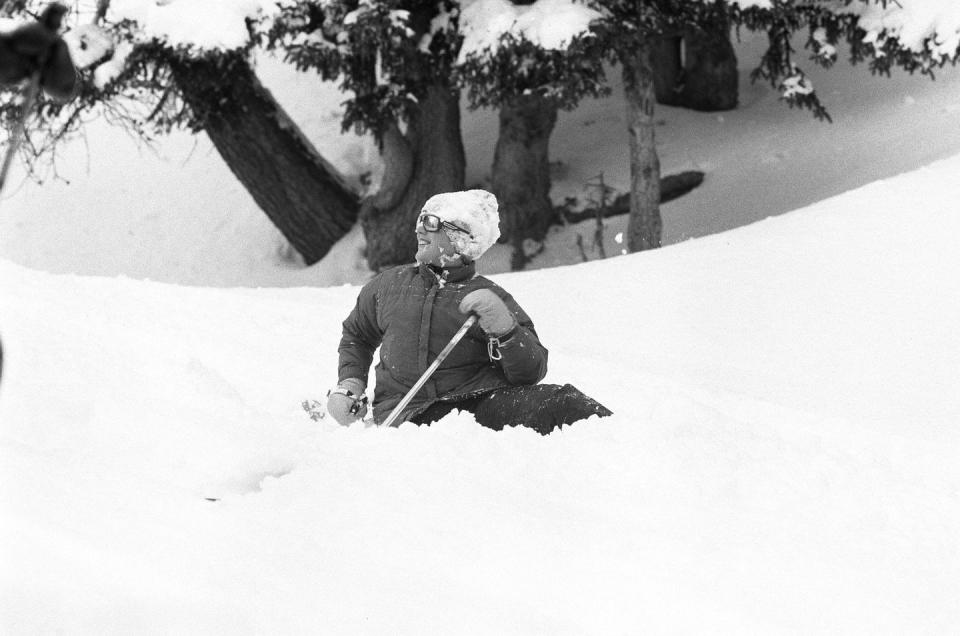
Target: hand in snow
x=346 y=402
x=495 y=318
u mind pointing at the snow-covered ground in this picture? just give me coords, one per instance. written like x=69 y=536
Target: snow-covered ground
x=782 y=458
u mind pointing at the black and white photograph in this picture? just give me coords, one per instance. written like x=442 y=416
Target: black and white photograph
x=480 y=317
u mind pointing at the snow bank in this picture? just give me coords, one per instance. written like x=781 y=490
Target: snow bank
x=782 y=455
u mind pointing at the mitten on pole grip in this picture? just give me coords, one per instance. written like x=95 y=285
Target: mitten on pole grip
x=36 y=47
x=24 y=50
x=495 y=317
x=345 y=403
x=35 y=39
x=59 y=76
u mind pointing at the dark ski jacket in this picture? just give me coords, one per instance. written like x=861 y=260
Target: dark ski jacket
x=411 y=312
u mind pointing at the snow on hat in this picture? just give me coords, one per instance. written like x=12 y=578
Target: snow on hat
x=474 y=211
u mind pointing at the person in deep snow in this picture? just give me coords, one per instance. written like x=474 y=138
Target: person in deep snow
x=412 y=312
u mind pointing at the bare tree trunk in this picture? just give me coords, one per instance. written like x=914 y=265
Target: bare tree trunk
x=704 y=76
x=711 y=79
x=645 y=227
x=668 y=68
x=304 y=196
x=426 y=160
x=521 y=172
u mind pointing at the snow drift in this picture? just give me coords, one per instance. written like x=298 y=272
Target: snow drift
x=782 y=455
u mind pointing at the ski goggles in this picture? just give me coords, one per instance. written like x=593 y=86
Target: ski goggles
x=432 y=223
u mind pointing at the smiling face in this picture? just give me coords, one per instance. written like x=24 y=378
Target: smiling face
x=435 y=248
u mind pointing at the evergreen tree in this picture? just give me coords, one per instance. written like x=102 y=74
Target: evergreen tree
x=394 y=59
x=697 y=68
x=397 y=62
x=529 y=83
x=630 y=29
x=162 y=86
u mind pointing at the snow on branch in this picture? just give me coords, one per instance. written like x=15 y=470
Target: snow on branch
x=928 y=29
x=518 y=67
x=916 y=35
x=924 y=27
x=547 y=48
x=191 y=24
x=547 y=24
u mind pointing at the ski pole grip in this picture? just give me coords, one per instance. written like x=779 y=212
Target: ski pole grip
x=457 y=337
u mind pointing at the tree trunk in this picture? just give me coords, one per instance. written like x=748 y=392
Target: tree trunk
x=668 y=68
x=711 y=79
x=645 y=227
x=304 y=196
x=521 y=172
x=430 y=158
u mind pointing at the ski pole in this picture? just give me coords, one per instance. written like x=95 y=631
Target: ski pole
x=14 y=141
x=433 y=367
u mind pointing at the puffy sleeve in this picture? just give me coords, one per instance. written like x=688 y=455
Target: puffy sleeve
x=361 y=335
x=523 y=359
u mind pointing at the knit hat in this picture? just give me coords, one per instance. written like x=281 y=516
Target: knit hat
x=474 y=211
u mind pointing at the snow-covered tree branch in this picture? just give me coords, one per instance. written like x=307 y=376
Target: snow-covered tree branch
x=402 y=65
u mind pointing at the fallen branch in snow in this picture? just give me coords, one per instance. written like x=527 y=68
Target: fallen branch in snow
x=672 y=187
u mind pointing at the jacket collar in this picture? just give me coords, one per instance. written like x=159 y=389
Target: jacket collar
x=453 y=275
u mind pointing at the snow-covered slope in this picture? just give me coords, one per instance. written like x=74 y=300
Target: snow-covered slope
x=782 y=456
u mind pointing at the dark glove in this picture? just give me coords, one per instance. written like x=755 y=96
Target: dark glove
x=59 y=77
x=36 y=39
x=37 y=47
x=495 y=317
x=346 y=403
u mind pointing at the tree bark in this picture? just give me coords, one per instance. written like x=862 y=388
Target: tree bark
x=521 y=172
x=645 y=227
x=704 y=76
x=429 y=158
x=302 y=194
x=668 y=68
x=711 y=80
